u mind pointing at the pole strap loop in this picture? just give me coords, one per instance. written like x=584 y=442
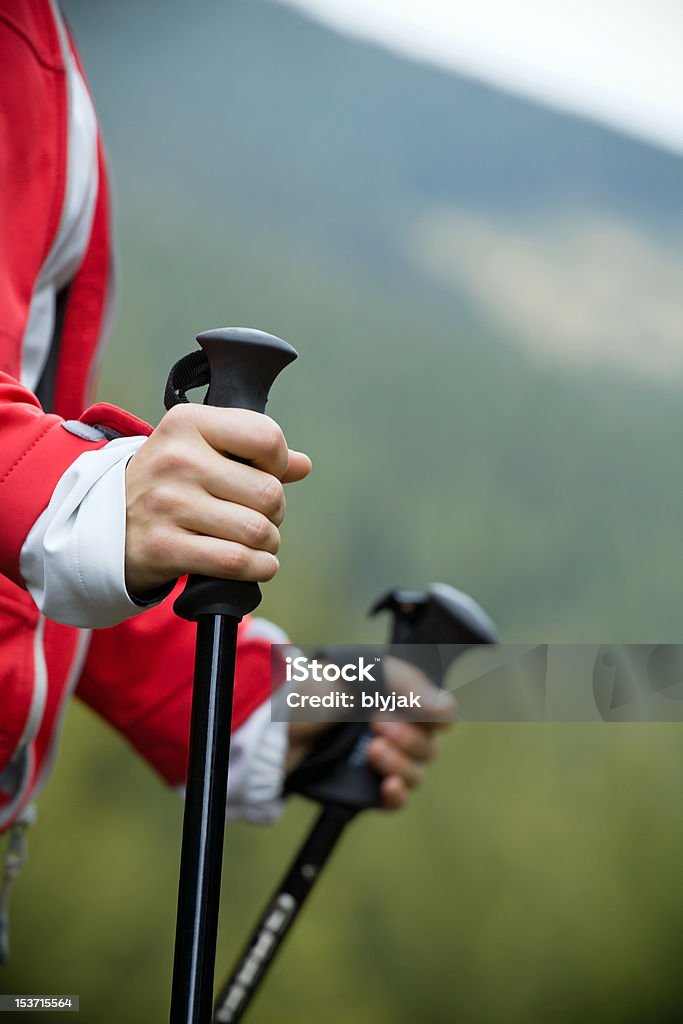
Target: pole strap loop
x=192 y=371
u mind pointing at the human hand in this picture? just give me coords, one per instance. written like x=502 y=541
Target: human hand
x=398 y=750
x=191 y=510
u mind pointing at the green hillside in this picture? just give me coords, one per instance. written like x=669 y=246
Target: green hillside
x=306 y=123
x=397 y=225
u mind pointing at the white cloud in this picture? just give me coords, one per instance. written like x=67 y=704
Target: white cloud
x=616 y=60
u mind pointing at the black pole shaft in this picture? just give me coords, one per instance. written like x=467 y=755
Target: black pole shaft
x=280 y=914
x=204 y=821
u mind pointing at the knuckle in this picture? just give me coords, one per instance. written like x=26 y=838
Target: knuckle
x=171 y=459
x=272 y=496
x=257 y=531
x=272 y=439
x=235 y=562
x=175 y=459
x=179 y=418
x=161 y=500
x=270 y=569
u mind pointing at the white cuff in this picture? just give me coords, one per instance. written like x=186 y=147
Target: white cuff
x=257 y=769
x=72 y=560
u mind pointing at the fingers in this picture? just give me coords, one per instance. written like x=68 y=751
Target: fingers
x=388 y=760
x=395 y=793
x=398 y=752
x=225 y=473
x=415 y=740
x=258 y=484
x=243 y=434
x=244 y=485
x=191 y=510
x=226 y=560
x=227 y=520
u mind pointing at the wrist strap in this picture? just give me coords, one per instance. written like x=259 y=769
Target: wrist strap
x=190 y=372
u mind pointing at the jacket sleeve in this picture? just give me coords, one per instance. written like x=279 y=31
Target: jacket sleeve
x=62 y=495
x=138 y=676
x=38 y=449
x=35 y=448
x=61 y=481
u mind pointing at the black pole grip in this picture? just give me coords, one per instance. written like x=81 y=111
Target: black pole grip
x=240 y=365
x=336 y=771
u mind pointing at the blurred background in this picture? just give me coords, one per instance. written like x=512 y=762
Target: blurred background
x=471 y=227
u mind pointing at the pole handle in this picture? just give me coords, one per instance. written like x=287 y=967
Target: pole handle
x=239 y=365
x=336 y=770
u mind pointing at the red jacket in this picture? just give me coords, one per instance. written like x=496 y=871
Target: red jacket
x=136 y=675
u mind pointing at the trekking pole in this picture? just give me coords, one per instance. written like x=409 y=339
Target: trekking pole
x=239 y=365
x=336 y=774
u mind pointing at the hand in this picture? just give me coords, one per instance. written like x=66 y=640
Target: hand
x=189 y=509
x=400 y=749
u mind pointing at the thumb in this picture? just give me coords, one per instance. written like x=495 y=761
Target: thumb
x=298 y=467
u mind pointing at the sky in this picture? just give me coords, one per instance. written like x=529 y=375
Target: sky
x=618 y=61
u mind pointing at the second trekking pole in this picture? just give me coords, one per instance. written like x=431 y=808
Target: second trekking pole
x=239 y=365
x=430 y=630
